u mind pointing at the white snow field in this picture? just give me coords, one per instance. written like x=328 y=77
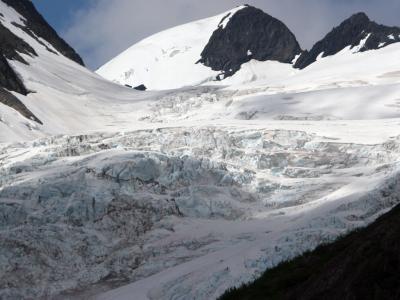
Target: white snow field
x=167 y=60
x=181 y=194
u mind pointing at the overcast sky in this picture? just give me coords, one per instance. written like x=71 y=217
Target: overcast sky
x=101 y=29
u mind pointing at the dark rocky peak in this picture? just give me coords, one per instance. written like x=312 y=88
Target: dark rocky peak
x=249 y=34
x=357 y=18
x=35 y=23
x=358 y=30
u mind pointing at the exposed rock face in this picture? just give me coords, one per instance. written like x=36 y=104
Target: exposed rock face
x=11 y=46
x=10 y=100
x=8 y=79
x=37 y=24
x=141 y=87
x=249 y=34
x=352 y=32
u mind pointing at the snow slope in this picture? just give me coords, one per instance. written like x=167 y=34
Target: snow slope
x=167 y=60
x=70 y=99
x=189 y=191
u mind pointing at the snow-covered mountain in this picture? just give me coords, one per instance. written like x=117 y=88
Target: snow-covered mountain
x=112 y=193
x=202 y=51
x=216 y=48
x=44 y=86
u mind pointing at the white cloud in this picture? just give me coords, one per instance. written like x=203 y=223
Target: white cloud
x=108 y=27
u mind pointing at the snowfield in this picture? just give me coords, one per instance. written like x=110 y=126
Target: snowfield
x=168 y=59
x=183 y=193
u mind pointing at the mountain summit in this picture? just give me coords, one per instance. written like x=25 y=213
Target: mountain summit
x=356 y=31
x=248 y=34
x=203 y=50
x=218 y=47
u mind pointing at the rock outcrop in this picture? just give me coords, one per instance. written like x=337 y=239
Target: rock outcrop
x=358 y=30
x=249 y=34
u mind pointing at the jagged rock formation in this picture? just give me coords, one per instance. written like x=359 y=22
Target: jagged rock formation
x=36 y=24
x=249 y=34
x=363 y=265
x=11 y=46
x=358 y=30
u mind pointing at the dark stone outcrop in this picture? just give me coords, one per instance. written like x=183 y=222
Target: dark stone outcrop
x=350 y=33
x=363 y=265
x=9 y=79
x=10 y=100
x=141 y=87
x=11 y=46
x=249 y=34
x=34 y=22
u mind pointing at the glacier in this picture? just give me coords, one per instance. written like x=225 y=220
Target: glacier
x=179 y=211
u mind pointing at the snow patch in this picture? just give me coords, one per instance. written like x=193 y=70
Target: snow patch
x=296 y=58
x=362 y=44
x=228 y=17
x=320 y=56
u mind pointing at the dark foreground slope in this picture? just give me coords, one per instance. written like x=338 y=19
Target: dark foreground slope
x=363 y=265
